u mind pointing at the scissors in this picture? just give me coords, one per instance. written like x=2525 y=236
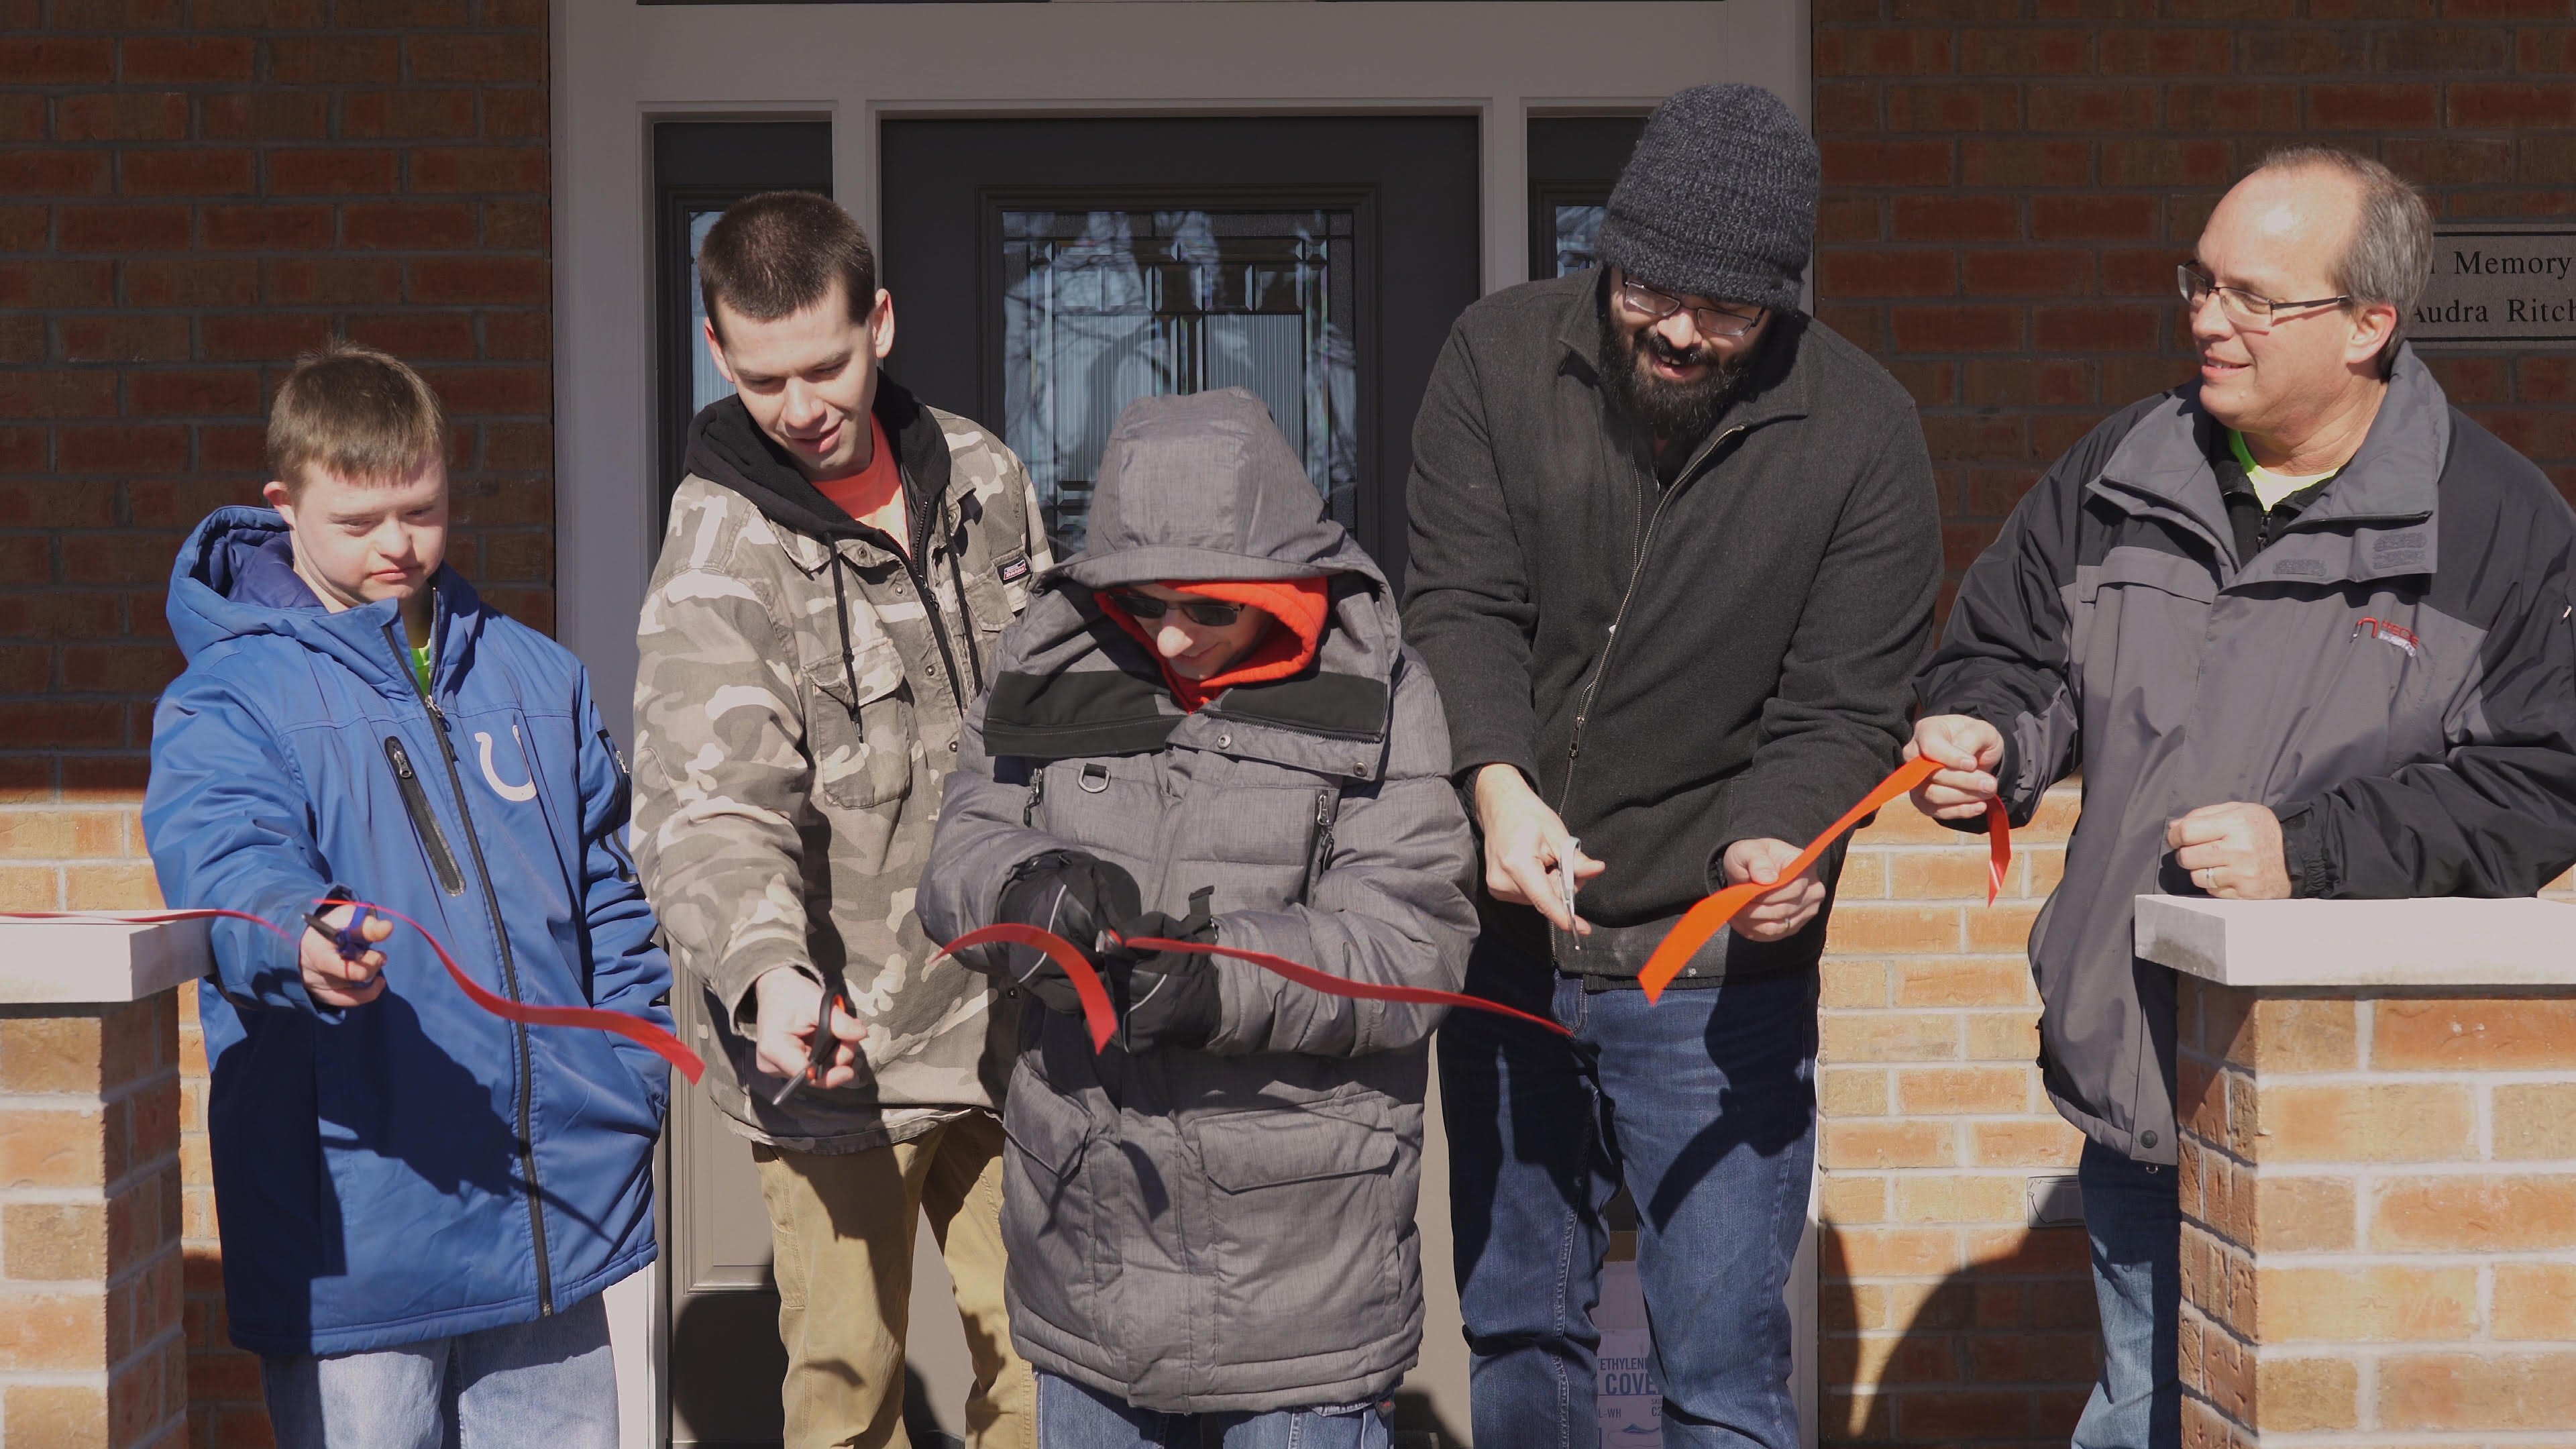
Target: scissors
x=821 y=1055
x=348 y=940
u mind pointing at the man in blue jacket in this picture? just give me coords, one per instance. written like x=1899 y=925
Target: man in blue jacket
x=420 y=1201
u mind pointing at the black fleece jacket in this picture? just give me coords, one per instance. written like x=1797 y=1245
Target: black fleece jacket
x=1675 y=667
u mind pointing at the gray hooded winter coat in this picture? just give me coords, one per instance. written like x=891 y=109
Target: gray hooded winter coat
x=2393 y=674
x=1228 y=1229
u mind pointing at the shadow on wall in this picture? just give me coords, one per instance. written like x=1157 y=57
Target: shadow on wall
x=1999 y=1355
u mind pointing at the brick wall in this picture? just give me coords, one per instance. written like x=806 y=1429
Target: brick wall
x=191 y=193
x=2380 y=1208
x=2008 y=186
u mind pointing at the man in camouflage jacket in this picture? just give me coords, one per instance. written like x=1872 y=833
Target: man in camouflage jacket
x=805 y=666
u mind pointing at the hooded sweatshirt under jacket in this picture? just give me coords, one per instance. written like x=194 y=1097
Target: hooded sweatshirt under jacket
x=414 y=1167
x=797 y=696
x=1229 y=1229
x=2391 y=674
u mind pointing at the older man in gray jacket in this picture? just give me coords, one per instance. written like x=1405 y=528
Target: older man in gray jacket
x=1210 y=715
x=2306 y=627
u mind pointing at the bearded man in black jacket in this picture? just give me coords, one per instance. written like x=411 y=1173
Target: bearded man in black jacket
x=1674 y=552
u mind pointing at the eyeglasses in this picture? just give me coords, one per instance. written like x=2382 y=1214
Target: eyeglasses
x=2241 y=307
x=1657 y=305
x=1207 y=612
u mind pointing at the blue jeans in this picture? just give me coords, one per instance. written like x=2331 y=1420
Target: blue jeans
x=1705 y=1107
x=2133 y=1214
x=549 y=1384
x=1071 y=1416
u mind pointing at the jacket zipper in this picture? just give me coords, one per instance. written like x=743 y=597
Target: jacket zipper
x=424 y=822
x=1636 y=571
x=625 y=780
x=509 y=982
x=1037 y=798
x=1322 y=855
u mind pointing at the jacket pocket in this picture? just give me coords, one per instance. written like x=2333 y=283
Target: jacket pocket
x=859 y=735
x=424 y=820
x=1048 y=1211
x=1268 y=825
x=1303 y=1226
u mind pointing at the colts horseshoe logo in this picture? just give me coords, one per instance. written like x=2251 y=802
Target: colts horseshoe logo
x=492 y=777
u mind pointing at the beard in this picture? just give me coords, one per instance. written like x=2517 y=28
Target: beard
x=1668 y=409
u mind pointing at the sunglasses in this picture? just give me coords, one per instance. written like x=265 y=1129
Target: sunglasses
x=1208 y=612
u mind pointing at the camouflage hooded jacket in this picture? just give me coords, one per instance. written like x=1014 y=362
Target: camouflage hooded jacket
x=796 y=709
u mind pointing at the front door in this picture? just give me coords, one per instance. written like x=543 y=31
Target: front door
x=1048 y=272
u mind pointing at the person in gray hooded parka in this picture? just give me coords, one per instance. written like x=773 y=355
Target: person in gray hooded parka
x=1207 y=724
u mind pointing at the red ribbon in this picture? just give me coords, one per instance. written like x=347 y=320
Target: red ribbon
x=1102 y=1018
x=635 y=1029
x=1711 y=915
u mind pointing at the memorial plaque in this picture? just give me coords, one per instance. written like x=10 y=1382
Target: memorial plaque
x=2494 y=286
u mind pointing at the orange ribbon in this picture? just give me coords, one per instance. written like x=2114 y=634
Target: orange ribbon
x=644 y=1033
x=1710 y=916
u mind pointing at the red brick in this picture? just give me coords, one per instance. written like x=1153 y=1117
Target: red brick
x=416 y=336
x=262 y=336
x=1915 y=273
x=22 y=228
x=467 y=391
x=191 y=283
x=2031 y=271
x=2093 y=108
x=22 y=337
x=2106 y=218
x=2023 y=164
x=476 y=58
x=279 y=115
x=1957 y=329
x=516 y=114
x=113 y=15
x=194 y=394
x=233 y=449
x=2198 y=107
x=2167 y=163
x=2304 y=50
x=444 y=280
x=2094 y=329
x=58 y=60
x=123 y=228
x=258 y=14
x=2448 y=162
x=185 y=173
x=341 y=171
x=334 y=60
x=516 y=226
x=22 y=450
x=57 y=284
x=47 y=724
x=1953 y=108
x=57 y=393
x=378 y=115
x=1882 y=52
x=2137 y=273
x=1957 y=218
x=2177 y=51
x=268 y=227
x=2373 y=107
x=131 y=336
x=118 y=450
x=309 y=281
x=2512 y=105
x=523 y=168
x=1962 y=1415
x=122 y=116
x=53 y=173
x=408 y=226
x=151 y=59
x=2024 y=50
x=517 y=335
x=2447 y=51
x=2543 y=51
x=401 y=14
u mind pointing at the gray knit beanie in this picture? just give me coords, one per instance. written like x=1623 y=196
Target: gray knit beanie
x=1719 y=199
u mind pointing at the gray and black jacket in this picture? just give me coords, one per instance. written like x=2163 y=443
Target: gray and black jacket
x=1228 y=1229
x=2391 y=673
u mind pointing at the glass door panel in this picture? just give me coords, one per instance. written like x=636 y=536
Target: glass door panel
x=1100 y=308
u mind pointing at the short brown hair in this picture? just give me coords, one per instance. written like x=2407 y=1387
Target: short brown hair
x=777 y=253
x=354 y=412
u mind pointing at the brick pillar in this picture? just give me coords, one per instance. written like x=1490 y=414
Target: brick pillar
x=2379 y=1197
x=91 y=1353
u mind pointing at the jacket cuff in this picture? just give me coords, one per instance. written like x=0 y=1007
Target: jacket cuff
x=742 y=976
x=2306 y=854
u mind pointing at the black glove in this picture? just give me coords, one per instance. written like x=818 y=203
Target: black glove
x=1074 y=894
x=1166 y=998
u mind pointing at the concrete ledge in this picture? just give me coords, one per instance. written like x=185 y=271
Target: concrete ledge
x=2449 y=943
x=101 y=961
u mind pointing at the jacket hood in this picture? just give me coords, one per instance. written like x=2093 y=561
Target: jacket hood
x=1204 y=487
x=235 y=578
x=1201 y=489
x=727 y=448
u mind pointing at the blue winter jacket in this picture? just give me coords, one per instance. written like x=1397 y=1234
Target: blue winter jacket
x=414 y=1167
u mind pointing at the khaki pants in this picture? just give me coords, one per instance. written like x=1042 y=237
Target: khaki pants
x=842 y=1225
